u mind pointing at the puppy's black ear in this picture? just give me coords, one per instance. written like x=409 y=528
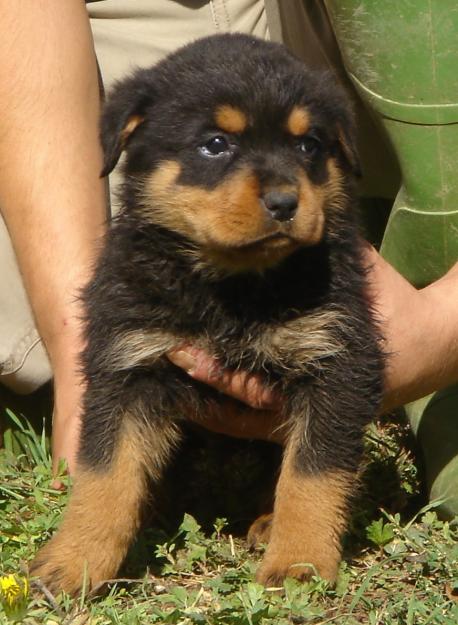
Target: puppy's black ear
x=123 y=113
x=347 y=145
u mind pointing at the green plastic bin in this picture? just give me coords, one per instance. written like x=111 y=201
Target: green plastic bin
x=402 y=57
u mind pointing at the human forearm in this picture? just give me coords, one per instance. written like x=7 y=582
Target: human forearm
x=421 y=331
x=51 y=197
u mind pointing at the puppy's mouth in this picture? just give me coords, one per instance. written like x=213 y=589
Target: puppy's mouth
x=256 y=254
x=279 y=238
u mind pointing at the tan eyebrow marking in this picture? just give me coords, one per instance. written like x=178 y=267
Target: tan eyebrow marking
x=230 y=119
x=298 y=122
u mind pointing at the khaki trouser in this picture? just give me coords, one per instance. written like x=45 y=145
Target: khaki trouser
x=131 y=33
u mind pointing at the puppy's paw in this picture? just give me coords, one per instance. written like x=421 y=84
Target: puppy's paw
x=259 y=532
x=275 y=567
x=63 y=565
x=59 y=570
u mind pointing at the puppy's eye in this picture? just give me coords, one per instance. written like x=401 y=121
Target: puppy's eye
x=308 y=145
x=216 y=146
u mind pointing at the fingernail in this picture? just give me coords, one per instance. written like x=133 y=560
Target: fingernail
x=184 y=360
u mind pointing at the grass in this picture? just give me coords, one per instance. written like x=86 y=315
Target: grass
x=400 y=561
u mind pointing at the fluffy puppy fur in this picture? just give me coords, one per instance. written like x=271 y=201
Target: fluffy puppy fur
x=238 y=235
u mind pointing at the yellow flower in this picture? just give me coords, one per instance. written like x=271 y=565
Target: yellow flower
x=14 y=592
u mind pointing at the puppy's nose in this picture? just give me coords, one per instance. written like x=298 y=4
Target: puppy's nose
x=280 y=206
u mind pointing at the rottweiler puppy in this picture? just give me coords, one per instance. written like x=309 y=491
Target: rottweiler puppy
x=238 y=235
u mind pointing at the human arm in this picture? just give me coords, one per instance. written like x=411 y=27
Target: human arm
x=421 y=331
x=51 y=197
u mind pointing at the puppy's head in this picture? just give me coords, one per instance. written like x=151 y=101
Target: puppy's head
x=233 y=144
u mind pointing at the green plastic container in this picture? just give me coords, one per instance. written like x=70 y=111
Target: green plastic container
x=402 y=57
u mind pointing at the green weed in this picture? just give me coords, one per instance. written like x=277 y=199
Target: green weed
x=400 y=560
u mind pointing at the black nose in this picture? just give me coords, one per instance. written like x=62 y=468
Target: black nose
x=281 y=206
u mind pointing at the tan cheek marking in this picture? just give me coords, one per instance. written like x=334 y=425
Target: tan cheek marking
x=160 y=200
x=336 y=196
x=240 y=215
x=315 y=201
x=230 y=119
x=308 y=225
x=298 y=122
x=218 y=220
x=225 y=215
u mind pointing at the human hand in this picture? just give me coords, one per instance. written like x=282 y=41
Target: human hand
x=261 y=420
x=246 y=387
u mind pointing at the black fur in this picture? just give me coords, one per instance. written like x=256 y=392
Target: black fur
x=144 y=281
x=147 y=280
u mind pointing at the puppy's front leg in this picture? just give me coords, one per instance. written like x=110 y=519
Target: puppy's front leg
x=104 y=511
x=310 y=516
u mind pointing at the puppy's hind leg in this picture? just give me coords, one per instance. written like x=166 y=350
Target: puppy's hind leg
x=105 y=508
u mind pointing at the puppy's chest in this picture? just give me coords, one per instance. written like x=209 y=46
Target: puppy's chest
x=292 y=346
x=270 y=326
